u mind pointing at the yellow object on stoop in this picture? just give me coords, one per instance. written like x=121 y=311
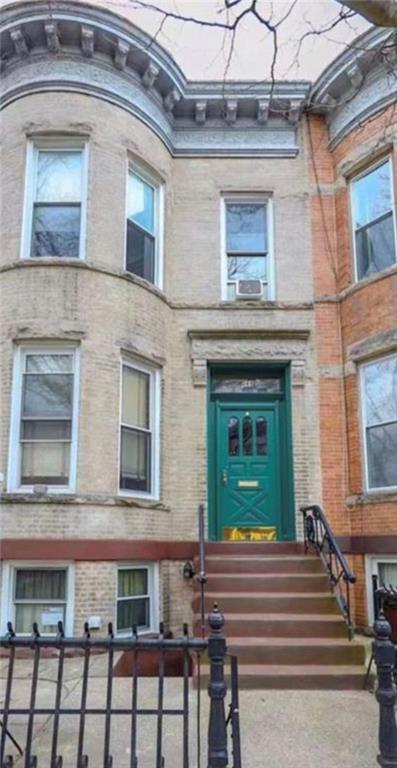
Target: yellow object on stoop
x=250 y=534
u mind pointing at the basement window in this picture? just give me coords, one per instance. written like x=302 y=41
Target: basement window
x=136 y=597
x=374 y=232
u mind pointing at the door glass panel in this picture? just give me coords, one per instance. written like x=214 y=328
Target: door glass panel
x=261 y=437
x=233 y=429
x=247 y=436
x=254 y=384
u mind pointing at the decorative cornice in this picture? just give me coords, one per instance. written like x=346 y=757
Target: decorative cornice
x=358 y=83
x=87 y=49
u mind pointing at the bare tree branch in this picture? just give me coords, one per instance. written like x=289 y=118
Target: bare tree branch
x=382 y=13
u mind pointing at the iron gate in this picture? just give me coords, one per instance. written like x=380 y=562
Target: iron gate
x=223 y=741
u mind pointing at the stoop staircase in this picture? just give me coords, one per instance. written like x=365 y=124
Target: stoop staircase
x=282 y=622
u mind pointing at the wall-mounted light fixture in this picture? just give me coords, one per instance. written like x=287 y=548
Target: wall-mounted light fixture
x=188 y=570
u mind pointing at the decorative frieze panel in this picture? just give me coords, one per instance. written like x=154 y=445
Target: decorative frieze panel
x=241 y=347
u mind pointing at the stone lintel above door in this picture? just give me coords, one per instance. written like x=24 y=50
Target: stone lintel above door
x=248 y=346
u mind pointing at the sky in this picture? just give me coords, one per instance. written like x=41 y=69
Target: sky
x=203 y=53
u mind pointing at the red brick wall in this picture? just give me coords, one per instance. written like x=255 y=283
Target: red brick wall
x=346 y=314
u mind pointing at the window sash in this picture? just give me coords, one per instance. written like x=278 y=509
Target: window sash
x=358 y=229
x=369 y=426
x=151 y=269
x=62 y=603
x=146 y=596
x=149 y=485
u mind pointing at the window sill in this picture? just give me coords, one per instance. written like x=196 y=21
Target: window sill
x=366 y=281
x=83 y=499
x=373 y=497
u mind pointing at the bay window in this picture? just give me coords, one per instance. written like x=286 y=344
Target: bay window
x=54 y=222
x=143 y=228
x=379 y=408
x=373 y=220
x=139 y=433
x=44 y=419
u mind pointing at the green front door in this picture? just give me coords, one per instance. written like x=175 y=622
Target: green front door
x=248 y=482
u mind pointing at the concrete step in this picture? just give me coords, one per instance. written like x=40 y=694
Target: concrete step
x=254 y=548
x=257 y=564
x=293 y=677
x=268 y=602
x=280 y=625
x=275 y=582
x=295 y=651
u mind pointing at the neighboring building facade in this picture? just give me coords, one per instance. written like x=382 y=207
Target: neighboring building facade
x=138 y=380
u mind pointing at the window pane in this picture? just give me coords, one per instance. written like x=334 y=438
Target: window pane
x=254 y=384
x=132 y=581
x=140 y=202
x=382 y=456
x=233 y=429
x=135 y=407
x=388 y=574
x=133 y=613
x=47 y=395
x=246 y=268
x=135 y=460
x=247 y=436
x=261 y=437
x=140 y=252
x=372 y=195
x=246 y=227
x=46 y=463
x=46 y=430
x=58 y=177
x=381 y=391
x=375 y=247
x=56 y=230
x=49 y=363
x=47 y=617
x=40 y=584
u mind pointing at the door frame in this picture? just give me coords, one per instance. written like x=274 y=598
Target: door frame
x=287 y=530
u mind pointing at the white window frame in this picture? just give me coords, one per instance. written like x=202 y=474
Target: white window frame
x=368 y=169
x=158 y=218
x=362 y=367
x=8 y=586
x=372 y=569
x=267 y=199
x=153 y=594
x=34 y=146
x=14 y=454
x=154 y=415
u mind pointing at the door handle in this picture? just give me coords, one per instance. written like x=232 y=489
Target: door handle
x=224 y=477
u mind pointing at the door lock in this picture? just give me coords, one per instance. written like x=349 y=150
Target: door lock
x=224 y=477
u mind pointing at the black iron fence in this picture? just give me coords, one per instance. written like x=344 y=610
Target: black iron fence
x=385 y=652
x=213 y=649
x=319 y=536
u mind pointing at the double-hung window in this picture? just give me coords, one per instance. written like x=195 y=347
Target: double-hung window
x=143 y=228
x=139 y=430
x=55 y=201
x=379 y=405
x=373 y=220
x=136 y=597
x=38 y=593
x=247 y=247
x=44 y=419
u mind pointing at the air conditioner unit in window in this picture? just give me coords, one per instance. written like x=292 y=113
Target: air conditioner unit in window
x=249 y=289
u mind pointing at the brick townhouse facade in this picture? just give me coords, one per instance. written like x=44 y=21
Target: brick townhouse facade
x=198 y=304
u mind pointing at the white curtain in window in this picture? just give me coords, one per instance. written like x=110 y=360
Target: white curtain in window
x=388 y=574
x=135 y=398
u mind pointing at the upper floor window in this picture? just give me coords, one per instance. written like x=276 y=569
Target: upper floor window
x=44 y=419
x=247 y=246
x=139 y=430
x=143 y=228
x=379 y=401
x=374 y=220
x=55 y=201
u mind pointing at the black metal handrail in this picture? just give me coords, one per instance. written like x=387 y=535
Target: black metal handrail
x=201 y=576
x=319 y=535
x=215 y=646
